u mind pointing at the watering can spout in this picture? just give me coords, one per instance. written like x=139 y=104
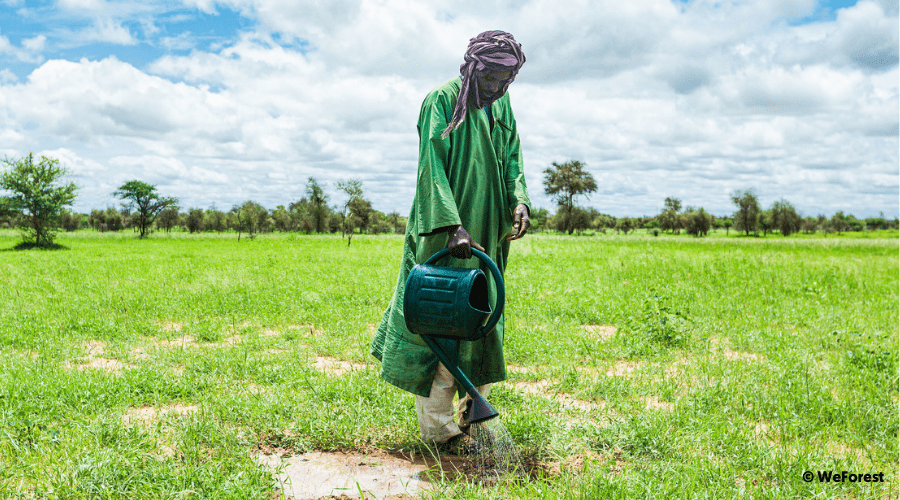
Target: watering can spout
x=480 y=410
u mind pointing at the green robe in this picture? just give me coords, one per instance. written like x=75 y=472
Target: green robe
x=474 y=178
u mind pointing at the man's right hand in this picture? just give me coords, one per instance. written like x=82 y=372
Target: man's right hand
x=460 y=243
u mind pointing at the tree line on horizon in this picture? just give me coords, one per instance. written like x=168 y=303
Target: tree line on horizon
x=37 y=206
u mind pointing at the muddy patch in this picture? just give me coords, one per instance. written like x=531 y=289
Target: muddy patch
x=323 y=474
x=373 y=474
x=335 y=367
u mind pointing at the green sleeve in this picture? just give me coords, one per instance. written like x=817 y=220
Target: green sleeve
x=516 y=191
x=435 y=204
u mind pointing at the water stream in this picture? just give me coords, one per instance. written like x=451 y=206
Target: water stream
x=498 y=459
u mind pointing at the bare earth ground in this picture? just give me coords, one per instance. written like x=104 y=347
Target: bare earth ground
x=378 y=474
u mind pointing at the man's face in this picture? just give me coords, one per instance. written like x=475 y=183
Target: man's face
x=490 y=82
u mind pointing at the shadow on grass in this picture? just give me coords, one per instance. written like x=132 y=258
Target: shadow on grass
x=29 y=245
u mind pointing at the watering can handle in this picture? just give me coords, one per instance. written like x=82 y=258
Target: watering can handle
x=498 y=280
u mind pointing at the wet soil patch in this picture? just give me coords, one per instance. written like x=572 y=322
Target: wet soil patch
x=375 y=473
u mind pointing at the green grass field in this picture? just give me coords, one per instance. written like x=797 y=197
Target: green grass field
x=640 y=367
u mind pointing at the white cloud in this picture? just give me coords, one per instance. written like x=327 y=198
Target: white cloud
x=35 y=44
x=109 y=30
x=7 y=76
x=79 y=5
x=659 y=100
x=29 y=52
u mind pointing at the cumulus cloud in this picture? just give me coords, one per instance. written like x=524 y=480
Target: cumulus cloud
x=29 y=52
x=659 y=99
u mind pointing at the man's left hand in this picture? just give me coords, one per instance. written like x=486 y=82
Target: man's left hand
x=521 y=222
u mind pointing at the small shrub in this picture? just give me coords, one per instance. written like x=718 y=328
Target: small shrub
x=660 y=324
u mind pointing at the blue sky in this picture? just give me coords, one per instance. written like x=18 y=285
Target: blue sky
x=176 y=31
x=219 y=102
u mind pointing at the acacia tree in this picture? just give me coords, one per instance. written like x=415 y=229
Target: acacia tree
x=566 y=181
x=250 y=217
x=668 y=219
x=625 y=224
x=785 y=218
x=144 y=198
x=318 y=205
x=353 y=190
x=168 y=218
x=745 y=219
x=194 y=220
x=764 y=221
x=214 y=220
x=698 y=222
x=839 y=222
x=36 y=196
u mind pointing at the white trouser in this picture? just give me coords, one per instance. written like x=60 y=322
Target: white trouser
x=435 y=412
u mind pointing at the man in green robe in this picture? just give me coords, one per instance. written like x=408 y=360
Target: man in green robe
x=470 y=192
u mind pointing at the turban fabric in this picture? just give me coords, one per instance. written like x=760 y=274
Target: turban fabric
x=491 y=51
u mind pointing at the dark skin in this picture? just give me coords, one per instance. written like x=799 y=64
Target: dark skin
x=460 y=243
x=490 y=82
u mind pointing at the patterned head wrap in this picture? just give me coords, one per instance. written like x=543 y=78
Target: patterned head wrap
x=491 y=51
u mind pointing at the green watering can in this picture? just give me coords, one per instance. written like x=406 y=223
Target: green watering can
x=447 y=305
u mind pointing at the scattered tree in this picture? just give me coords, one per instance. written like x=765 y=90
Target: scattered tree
x=839 y=222
x=71 y=221
x=318 y=205
x=854 y=224
x=36 y=196
x=214 y=220
x=668 y=219
x=566 y=181
x=764 y=221
x=114 y=220
x=398 y=224
x=353 y=190
x=875 y=223
x=194 y=220
x=809 y=225
x=168 y=218
x=785 y=218
x=625 y=224
x=282 y=219
x=144 y=198
x=249 y=217
x=673 y=204
x=745 y=219
x=602 y=222
x=698 y=222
